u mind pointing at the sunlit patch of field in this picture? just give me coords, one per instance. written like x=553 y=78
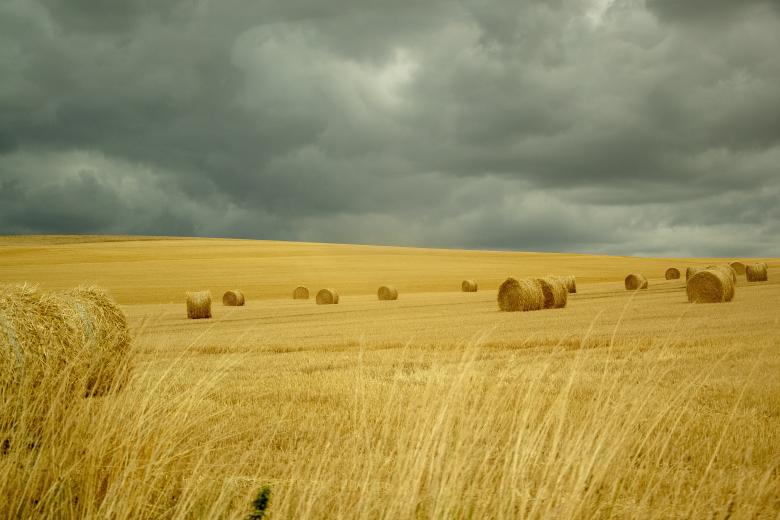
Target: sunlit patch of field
x=433 y=406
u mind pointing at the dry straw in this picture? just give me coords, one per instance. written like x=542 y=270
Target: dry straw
x=80 y=334
x=757 y=273
x=672 y=273
x=199 y=305
x=692 y=271
x=469 y=286
x=234 y=298
x=520 y=295
x=570 y=282
x=387 y=292
x=710 y=286
x=738 y=267
x=327 y=297
x=301 y=293
x=725 y=269
x=635 y=282
x=554 y=292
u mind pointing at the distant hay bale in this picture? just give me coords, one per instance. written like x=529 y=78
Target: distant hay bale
x=301 y=293
x=327 y=297
x=234 y=298
x=520 y=295
x=756 y=272
x=738 y=267
x=726 y=269
x=710 y=286
x=387 y=292
x=570 y=282
x=80 y=334
x=672 y=273
x=635 y=282
x=199 y=305
x=469 y=286
x=692 y=271
x=554 y=292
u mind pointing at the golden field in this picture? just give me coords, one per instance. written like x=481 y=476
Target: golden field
x=621 y=405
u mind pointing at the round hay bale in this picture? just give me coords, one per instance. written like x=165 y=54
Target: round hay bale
x=726 y=269
x=738 y=267
x=234 y=298
x=81 y=333
x=570 y=282
x=468 y=286
x=554 y=292
x=520 y=295
x=199 y=305
x=301 y=293
x=756 y=273
x=635 y=282
x=327 y=297
x=710 y=286
x=387 y=292
x=672 y=274
x=690 y=271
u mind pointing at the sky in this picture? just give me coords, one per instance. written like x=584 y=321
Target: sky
x=605 y=126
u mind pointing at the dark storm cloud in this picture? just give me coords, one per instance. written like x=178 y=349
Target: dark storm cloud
x=613 y=126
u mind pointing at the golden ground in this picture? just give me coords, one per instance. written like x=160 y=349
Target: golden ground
x=436 y=405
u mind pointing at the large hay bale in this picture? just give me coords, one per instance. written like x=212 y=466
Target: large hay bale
x=756 y=273
x=554 y=292
x=570 y=282
x=199 y=305
x=301 y=293
x=520 y=295
x=387 y=292
x=738 y=267
x=690 y=271
x=327 y=297
x=710 y=286
x=81 y=333
x=635 y=282
x=468 y=286
x=233 y=298
x=672 y=274
x=726 y=269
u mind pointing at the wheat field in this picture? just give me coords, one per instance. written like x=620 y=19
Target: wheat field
x=437 y=405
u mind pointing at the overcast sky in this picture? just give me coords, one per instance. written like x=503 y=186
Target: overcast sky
x=626 y=126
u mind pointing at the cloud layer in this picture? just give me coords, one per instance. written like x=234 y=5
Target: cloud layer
x=616 y=126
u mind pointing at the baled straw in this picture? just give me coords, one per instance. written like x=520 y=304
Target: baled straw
x=738 y=267
x=301 y=293
x=757 y=273
x=725 y=269
x=387 y=292
x=327 y=297
x=690 y=271
x=554 y=292
x=710 y=286
x=468 y=286
x=635 y=282
x=233 y=298
x=199 y=305
x=520 y=295
x=672 y=273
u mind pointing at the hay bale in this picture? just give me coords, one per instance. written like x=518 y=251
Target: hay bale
x=301 y=293
x=520 y=295
x=80 y=333
x=199 y=305
x=756 y=272
x=710 y=286
x=692 y=271
x=672 y=274
x=635 y=282
x=738 y=267
x=234 y=298
x=387 y=292
x=327 y=297
x=570 y=282
x=554 y=292
x=726 y=269
x=468 y=286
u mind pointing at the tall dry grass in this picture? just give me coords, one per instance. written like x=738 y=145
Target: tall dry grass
x=627 y=430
